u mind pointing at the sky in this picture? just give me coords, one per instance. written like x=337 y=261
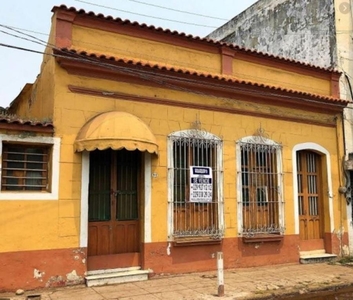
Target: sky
x=29 y=19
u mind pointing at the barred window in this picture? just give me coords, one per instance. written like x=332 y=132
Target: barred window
x=25 y=168
x=260 y=179
x=195 y=199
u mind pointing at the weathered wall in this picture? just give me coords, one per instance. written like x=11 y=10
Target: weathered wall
x=120 y=46
x=303 y=30
x=316 y=32
x=39 y=233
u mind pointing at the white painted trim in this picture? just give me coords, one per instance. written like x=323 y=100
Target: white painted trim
x=189 y=132
x=221 y=224
x=55 y=168
x=239 y=184
x=256 y=140
x=148 y=198
x=170 y=227
x=84 y=199
x=322 y=150
x=280 y=179
x=206 y=135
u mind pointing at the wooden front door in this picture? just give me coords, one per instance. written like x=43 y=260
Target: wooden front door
x=113 y=212
x=310 y=200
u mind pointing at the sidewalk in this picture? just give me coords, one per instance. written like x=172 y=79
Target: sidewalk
x=250 y=283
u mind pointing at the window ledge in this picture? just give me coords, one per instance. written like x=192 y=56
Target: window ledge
x=263 y=238
x=196 y=240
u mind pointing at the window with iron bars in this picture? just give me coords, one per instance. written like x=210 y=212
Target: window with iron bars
x=187 y=217
x=260 y=187
x=25 y=168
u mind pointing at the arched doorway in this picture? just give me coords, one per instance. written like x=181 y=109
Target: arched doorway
x=310 y=199
x=116 y=146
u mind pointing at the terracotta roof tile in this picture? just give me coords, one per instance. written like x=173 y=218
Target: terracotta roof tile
x=187 y=36
x=13 y=119
x=228 y=79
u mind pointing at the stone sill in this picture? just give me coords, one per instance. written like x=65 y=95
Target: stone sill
x=263 y=238
x=195 y=241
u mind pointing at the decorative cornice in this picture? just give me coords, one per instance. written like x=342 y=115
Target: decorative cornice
x=162 y=101
x=211 y=85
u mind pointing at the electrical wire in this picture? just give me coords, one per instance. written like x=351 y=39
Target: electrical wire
x=148 y=16
x=145 y=74
x=20 y=48
x=177 y=10
x=269 y=31
x=20 y=37
x=134 y=54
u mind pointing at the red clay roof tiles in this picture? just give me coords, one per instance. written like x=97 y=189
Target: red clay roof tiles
x=187 y=36
x=195 y=73
x=13 y=119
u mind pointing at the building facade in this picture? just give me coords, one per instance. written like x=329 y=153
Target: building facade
x=165 y=150
x=314 y=32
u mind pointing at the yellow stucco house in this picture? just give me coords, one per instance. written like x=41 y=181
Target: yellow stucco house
x=154 y=150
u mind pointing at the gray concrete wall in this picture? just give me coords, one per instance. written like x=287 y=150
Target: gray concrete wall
x=302 y=30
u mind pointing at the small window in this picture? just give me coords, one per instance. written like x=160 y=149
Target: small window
x=25 y=167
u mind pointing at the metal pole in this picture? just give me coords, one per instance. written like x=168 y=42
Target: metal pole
x=220 y=274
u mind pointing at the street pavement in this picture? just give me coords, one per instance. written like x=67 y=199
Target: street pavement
x=249 y=283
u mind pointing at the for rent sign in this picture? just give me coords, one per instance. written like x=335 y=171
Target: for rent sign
x=200 y=184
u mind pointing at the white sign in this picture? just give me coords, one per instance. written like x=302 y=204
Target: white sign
x=200 y=184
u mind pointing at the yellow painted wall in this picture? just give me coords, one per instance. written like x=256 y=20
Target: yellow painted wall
x=123 y=46
x=39 y=104
x=55 y=224
x=74 y=110
x=280 y=78
x=34 y=225
x=163 y=120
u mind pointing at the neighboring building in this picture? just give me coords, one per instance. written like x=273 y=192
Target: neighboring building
x=303 y=30
x=315 y=32
x=167 y=149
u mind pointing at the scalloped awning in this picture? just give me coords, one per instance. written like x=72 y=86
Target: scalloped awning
x=116 y=130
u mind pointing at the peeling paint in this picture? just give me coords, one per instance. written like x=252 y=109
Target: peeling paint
x=339 y=234
x=79 y=255
x=55 y=281
x=38 y=274
x=79 y=251
x=345 y=250
x=168 y=249
x=73 y=278
x=302 y=30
